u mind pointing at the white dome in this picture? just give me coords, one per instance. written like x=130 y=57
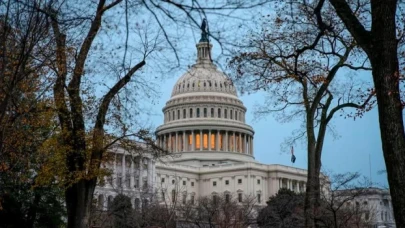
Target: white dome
x=204 y=78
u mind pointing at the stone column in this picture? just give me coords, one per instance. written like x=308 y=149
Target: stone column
x=140 y=172
x=226 y=141
x=234 y=142
x=252 y=146
x=240 y=143
x=184 y=141
x=192 y=141
x=150 y=177
x=114 y=180
x=209 y=140
x=176 y=149
x=132 y=181
x=201 y=140
x=123 y=171
x=217 y=144
x=164 y=142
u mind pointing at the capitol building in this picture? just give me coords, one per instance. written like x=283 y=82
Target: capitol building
x=210 y=144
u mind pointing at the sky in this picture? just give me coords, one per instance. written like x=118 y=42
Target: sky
x=356 y=149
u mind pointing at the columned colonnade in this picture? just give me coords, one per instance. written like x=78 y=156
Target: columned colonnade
x=291 y=184
x=206 y=140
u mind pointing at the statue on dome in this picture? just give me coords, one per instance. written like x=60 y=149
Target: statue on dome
x=204 y=31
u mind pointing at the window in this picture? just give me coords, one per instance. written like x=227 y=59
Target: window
x=184 y=199
x=169 y=116
x=214 y=183
x=173 y=181
x=231 y=114
x=227 y=198
x=205 y=112
x=184 y=182
x=178 y=114
x=174 y=117
x=163 y=180
x=226 y=114
x=198 y=112
x=214 y=199
x=163 y=195
x=191 y=113
x=119 y=181
x=219 y=113
x=192 y=184
x=259 y=200
x=212 y=112
x=145 y=184
x=240 y=197
x=184 y=113
x=227 y=182
x=239 y=181
x=192 y=199
x=236 y=115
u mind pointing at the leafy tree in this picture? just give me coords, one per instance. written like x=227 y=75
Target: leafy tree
x=285 y=209
x=300 y=66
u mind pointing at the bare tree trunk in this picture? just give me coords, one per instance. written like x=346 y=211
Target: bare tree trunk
x=78 y=200
x=381 y=46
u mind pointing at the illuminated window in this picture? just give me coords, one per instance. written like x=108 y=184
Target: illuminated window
x=190 y=141
x=205 y=112
x=198 y=112
x=205 y=141
x=219 y=113
x=191 y=113
x=197 y=141
x=226 y=114
x=212 y=112
x=212 y=141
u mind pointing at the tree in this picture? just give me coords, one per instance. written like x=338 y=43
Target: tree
x=285 y=209
x=222 y=210
x=26 y=119
x=380 y=40
x=299 y=65
x=83 y=116
x=338 y=207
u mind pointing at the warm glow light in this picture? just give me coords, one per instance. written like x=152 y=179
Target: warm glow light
x=205 y=141
x=197 y=141
x=212 y=141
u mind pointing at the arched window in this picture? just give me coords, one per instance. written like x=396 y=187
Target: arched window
x=236 y=115
x=226 y=114
x=184 y=113
x=178 y=114
x=100 y=201
x=169 y=116
x=230 y=114
x=198 y=112
x=205 y=112
x=191 y=113
x=219 y=113
x=212 y=112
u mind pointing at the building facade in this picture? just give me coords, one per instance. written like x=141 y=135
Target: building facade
x=212 y=147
